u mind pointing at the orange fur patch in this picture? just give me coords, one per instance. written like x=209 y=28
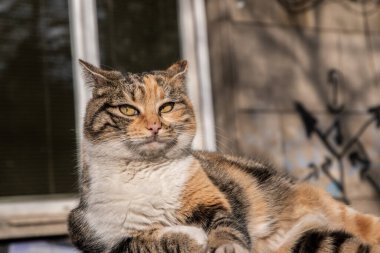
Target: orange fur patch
x=153 y=91
x=363 y=225
x=200 y=191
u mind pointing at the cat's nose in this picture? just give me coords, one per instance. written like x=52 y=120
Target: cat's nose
x=154 y=127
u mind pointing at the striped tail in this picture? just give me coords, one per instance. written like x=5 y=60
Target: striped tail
x=324 y=241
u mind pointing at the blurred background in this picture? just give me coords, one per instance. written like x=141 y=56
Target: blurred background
x=294 y=81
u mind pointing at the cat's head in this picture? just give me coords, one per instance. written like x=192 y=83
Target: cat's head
x=139 y=115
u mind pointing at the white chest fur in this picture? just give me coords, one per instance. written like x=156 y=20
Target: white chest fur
x=129 y=197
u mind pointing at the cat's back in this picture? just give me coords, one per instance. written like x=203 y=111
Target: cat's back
x=219 y=166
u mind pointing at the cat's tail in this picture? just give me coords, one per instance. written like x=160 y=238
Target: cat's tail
x=324 y=241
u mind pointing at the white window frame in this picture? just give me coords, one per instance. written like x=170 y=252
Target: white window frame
x=194 y=46
x=21 y=217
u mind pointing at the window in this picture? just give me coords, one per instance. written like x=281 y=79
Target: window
x=37 y=128
x=138 y=35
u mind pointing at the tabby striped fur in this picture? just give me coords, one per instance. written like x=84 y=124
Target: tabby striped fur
x=144 y=190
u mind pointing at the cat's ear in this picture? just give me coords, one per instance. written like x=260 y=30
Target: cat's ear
x=177 y=72
x=97 y=77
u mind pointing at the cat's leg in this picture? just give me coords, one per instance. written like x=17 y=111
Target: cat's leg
x=326 y=241
x=338 y=215
x=227 y=235
x=314 y=233
x=314 y=222
x=175 y=239
x=81 y=234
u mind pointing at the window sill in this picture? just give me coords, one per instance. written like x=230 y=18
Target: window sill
x=23 y=218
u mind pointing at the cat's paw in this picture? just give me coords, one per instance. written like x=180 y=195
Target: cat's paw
x=188 y=239
x=231 y=248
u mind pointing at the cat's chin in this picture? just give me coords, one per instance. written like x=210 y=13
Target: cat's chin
x=153 y=146
x=152 y=149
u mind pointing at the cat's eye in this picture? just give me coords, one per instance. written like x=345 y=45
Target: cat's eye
x=167 y=107
x=128 y=110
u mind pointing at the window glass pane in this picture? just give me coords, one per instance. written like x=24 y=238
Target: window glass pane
x=37 y=130
x=138 y=35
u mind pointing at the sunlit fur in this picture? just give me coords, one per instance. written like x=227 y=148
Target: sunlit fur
x=142 y=188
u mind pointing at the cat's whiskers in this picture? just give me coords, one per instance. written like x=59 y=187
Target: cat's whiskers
x=223 y=141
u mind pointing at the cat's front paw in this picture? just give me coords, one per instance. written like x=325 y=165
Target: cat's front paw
x=231 y=248
x=186 y=239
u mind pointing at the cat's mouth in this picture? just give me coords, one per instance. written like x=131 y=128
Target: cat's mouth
x=152 y=142
x=152 y=139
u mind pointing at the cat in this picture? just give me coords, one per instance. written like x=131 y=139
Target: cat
x=143 y=189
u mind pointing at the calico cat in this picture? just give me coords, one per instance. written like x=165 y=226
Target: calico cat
x=142 y=188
